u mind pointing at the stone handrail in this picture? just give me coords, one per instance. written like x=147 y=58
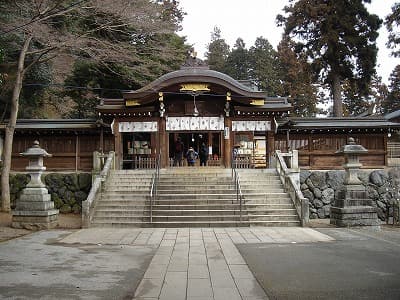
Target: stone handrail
x=290 y=178
x=94 y=194
x=154 y=185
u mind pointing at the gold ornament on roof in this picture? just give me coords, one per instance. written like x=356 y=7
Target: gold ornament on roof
x=194 y=87
x=257 y=102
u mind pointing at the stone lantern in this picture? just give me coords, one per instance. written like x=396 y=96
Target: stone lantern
x=34 y=208
x=352 y=206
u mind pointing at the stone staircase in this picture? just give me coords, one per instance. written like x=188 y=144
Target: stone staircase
x=267 y=204
x=124 y=201
x=194 y=197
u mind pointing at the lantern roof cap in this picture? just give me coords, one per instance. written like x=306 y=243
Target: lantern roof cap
x=352 y=148
x=36 y=150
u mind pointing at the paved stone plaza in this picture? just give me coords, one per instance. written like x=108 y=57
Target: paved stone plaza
x=198 y=263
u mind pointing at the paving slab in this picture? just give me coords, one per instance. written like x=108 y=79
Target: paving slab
x=39 y=266
x=143 y=263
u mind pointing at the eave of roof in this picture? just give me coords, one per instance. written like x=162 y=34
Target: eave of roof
x=194 y=75
x=326 y=123
x=67 y=124
x=392 y=115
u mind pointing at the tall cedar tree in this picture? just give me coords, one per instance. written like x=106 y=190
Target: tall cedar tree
x=217 y=51
x=108 y=33
x=265 y=68
x=238 y=61
x=392 y=102
x=392 y=23
x=296 y=80
x=338 y=37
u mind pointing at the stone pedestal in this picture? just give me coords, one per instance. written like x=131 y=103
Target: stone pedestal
x=34 y=208
x=352 y=206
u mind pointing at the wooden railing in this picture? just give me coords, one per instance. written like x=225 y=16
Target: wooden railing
x=97 y=185
x=139 y=162
x=242 y=161
x=288 y=171
x=154 y=185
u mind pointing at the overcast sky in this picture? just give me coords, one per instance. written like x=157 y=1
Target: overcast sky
x=253 y=18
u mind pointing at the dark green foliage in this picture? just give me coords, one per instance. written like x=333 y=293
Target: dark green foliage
x=36 y=80
x=217 y=51
x=354 y=103
x=338 y=37
x=238 y=61
x=392 y=23
x=265 y=67
x=392 y=102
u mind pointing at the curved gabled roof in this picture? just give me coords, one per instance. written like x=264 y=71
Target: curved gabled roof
x=195 y=75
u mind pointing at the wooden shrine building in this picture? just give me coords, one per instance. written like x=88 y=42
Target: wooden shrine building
x=200 y=105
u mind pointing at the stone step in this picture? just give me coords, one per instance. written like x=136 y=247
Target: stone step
x=195 y=180
x=125 y=180
x=146 y=206
x=126 y=189
x=198 y=224
x=124 y=194
x=191 y=190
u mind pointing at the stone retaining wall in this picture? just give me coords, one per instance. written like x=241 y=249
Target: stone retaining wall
x=67 y=190
x=383 y=186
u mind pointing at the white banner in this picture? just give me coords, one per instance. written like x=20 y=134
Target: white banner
x=138 y=127
x=195 y=123
x=251 y=125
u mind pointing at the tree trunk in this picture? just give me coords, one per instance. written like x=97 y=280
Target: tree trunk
x=337 y=97
x=9 y=132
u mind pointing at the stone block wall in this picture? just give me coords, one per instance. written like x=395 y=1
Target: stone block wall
x=67 y=190
x=382 y=186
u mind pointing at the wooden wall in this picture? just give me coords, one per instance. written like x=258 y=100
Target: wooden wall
x=317 y=151
x=70 y=152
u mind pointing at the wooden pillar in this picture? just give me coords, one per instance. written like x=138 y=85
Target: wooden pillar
x=163 y=142
x=228 y=136
x=117 y=145
x=101 y=139
x=270 y=138
x=76 y=152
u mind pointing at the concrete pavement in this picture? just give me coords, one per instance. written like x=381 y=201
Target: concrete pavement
x=202 y=263
x=359 y=264
x=143 y=263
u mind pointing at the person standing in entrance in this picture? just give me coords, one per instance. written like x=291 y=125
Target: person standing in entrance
x=203 y=154
x=191 y=156
x=178 y=154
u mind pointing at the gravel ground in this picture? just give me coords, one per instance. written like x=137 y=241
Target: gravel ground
x=66 y=221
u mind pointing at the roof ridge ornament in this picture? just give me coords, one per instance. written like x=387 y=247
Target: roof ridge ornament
x=192 y=61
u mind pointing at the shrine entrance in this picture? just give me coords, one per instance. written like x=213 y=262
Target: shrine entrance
x=212 y=140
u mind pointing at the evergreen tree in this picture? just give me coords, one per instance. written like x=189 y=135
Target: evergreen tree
x=392 y=102
x=354 y=103
x=338 y=37
x=217 y=51
x=296 y=79
x=238 y=61
x=265 y=67
x=392 y=23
